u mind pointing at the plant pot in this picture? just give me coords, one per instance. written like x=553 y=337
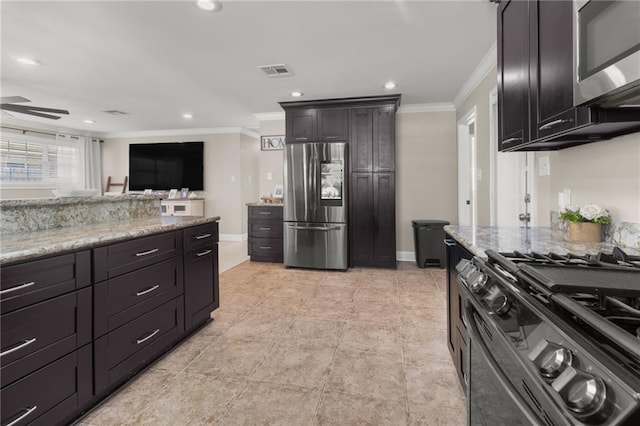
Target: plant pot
x=585 y=232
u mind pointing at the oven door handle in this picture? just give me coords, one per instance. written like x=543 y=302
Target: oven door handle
x=477 y=342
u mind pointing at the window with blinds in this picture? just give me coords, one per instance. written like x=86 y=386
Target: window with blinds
x=38 y=161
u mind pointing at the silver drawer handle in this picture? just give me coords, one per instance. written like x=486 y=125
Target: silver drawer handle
x=148 y=252
x=265 y=229
x=449 y=242
x=511 y=140
x=149 y=290
x=315 y=228
x=29 y=411
x=266 y=248
x=553 y=124
x=204 y=253
x=144 y=339
x=302 y=139
x=331 y=137
x=18 y=287
x=267 y=213
x=24 y=344
x=199 y=237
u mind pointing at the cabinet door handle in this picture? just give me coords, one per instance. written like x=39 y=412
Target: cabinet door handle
x=331 y=137
x=450 y=243
x=204 y=253
x=28 y=411
x=146 y=253
x=554 y=124
x=266 y=248
x=511 y=140
x=199 y=237
x=149 y=290
x=144 y=339
x=265 y=229
x=18 y=287
x=24 y=344
x=265 y=213
x=302 y=139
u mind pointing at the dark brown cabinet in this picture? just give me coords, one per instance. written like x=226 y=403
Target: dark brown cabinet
x=301 y=126
x=265 y=234
x=201 y=285
x=535 y=82
x=456 y=329
x=367 y=124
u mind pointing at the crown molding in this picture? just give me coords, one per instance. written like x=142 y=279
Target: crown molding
x=269 y=116
x=182 y=132
x=43 y=127
x=486 y=64
x=432 y=107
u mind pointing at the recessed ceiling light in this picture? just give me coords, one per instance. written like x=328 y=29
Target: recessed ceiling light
x=209 y=5
x=389 y=85
x=296 y=94
x=26 y=61
x=89 y=121
x=187 y=116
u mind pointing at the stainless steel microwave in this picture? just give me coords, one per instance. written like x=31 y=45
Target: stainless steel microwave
x=607 y=53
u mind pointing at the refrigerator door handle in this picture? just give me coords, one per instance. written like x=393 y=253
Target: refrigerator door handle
x=315 y=228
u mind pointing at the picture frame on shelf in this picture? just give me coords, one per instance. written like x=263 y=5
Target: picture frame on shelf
x=184 y=193
x=278 y=191
x=272 y=143
x=172 y=194
x=148 y=191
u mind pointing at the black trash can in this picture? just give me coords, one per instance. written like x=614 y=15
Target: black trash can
x=428 y=237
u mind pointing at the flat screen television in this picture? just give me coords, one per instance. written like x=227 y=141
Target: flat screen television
x=162 y=166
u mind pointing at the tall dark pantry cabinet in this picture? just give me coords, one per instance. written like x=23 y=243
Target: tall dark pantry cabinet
x=367 y=125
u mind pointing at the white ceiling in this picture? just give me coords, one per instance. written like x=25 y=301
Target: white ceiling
x=159 y=59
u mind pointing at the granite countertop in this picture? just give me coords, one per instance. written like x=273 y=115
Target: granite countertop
x=536 y=239
x=27 y=246
x=58 y=201
x=263 y=204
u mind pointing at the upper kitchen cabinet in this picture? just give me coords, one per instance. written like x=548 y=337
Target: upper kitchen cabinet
x=333 y=124
x=301 y=126
x=535 y=82
x=513 y=73
x=384 y=136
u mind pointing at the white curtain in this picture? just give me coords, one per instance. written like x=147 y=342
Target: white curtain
x=92 y=164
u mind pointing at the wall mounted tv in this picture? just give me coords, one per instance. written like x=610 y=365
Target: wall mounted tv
x=162 y=166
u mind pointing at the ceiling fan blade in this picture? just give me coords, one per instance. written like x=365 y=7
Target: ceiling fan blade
x=35 y=111
x=13 y=100
x=7 y=114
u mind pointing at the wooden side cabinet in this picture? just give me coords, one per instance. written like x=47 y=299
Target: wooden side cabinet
x=265 y=234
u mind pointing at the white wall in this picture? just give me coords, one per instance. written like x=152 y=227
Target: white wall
x=223 y=173
x=271 y=161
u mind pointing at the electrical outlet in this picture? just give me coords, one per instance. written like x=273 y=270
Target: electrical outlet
x=544 y=167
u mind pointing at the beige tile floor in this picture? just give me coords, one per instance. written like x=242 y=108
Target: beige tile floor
x=298 y=347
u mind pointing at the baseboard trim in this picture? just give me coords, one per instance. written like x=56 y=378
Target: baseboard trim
x=233 y=237
x=405 y=256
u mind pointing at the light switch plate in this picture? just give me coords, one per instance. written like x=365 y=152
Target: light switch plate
x=269 y=176
x=544 y=168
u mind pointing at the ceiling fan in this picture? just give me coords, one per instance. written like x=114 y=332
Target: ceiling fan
x=8 y=104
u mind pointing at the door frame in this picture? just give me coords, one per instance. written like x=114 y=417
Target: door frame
x=468 y=144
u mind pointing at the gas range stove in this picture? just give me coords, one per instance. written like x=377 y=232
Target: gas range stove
x=563 y=331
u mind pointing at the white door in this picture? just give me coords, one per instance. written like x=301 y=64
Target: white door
x=512 y=183
x=467 y=212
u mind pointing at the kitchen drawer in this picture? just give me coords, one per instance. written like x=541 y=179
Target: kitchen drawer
x=125 y=350
x=265 y=229
x=30 y=282
x=266 y=249
x=201 y=236
x=121 y=299
x=36 y=335
x=49 y=395
x=117 y=259
x=265 y=212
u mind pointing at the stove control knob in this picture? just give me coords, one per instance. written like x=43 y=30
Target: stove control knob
x=477 y=281
x=501 y=305
x=550 y=358
x=584 y=394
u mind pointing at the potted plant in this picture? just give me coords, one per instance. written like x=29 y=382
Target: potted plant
x=585 y=223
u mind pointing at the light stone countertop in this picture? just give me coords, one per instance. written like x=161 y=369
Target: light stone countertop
x=31 y=245
x=263 y=204
x=63 y=201
x=537 y=239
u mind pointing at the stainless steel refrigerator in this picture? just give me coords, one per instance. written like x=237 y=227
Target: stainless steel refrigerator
x=315 y=205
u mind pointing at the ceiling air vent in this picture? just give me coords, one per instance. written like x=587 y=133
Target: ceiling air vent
x=116 y=112
x=278 y=70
